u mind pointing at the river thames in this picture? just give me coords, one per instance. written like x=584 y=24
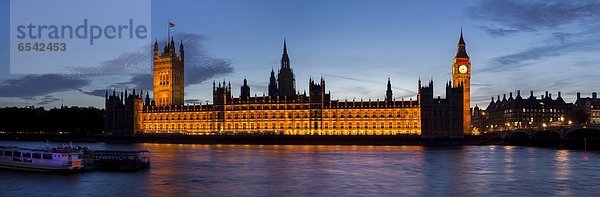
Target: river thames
x=282 y=170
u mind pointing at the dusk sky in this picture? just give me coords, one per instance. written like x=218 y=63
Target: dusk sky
x=354 y=45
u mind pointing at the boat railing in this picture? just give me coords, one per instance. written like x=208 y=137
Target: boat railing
x=108 y=154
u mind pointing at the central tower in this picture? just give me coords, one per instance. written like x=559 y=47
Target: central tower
x=168 y=75
x=285 y=79
x=461 y=75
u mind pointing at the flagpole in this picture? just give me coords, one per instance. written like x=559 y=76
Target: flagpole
x=168 y=30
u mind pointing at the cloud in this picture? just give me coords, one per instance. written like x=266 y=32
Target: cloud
x=40 y=100
x=481 y=85
x=354 y=79
x=564 y=27
x=139 y=62
x=139 y=82
x=530 y=16
x=202 y=68
x=199 y=66
x=132 y=62
x=587 y=63
x=39 y=85
x=547 y=50
x=196 y=72
x=498 y=31
x=98 y=93
x=47 y=100
x=407 y=92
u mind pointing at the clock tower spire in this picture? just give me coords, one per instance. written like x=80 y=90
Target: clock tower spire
x=462 y=50
x=461 y=76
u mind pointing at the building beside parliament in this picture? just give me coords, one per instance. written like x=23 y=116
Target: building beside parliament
x=284 y=110
x=517 y=112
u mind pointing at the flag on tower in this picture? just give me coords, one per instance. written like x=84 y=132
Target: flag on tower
x=171 y=24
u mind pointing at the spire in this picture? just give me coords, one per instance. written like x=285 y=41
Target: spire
x=181 y=46
x=245 y=91
x=272 y=85
x=388 y=92
x=462 y=40
x=181 y=53
x=147 y=100
x=285 y=59
x=284 y=47
x=155 y=44
x=389 y=85
x=462 y=50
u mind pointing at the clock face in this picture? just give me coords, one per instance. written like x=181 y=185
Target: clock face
x=463 y=69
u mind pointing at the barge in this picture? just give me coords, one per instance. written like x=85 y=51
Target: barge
x=111 y=160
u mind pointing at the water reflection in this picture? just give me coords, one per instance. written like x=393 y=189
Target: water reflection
x=278 y=170
x=562 y=172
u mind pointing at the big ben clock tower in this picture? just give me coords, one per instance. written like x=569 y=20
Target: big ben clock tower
x=461 y=74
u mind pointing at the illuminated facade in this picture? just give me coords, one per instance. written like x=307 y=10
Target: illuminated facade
x=283 y=110
x=168 y=75
x=296 y=117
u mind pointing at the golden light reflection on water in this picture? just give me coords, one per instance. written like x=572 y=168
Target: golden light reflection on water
x=509 y=163
x=562 y=172
x=280 y=164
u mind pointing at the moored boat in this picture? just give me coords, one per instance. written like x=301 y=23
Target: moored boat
x=61 y=159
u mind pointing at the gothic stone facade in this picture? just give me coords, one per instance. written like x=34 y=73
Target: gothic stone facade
x=283 y=110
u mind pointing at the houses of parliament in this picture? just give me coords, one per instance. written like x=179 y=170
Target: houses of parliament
x=285 y=111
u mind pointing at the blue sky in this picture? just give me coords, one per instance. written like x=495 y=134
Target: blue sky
x=355 y=45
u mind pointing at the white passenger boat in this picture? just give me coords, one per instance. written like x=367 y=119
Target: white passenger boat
x=62 y=159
